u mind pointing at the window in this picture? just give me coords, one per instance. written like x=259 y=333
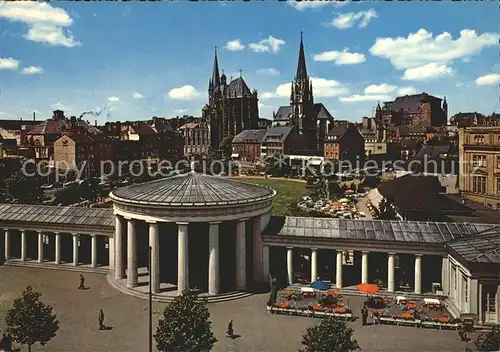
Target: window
x=479 y=160
x=479 y=184
x=466 y=288
x=498 y=185
x=498 y=162
x=479 y=139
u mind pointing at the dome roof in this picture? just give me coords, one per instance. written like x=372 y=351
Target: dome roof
x=192 y=189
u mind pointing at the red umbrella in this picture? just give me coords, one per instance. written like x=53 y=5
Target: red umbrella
x=369 y=289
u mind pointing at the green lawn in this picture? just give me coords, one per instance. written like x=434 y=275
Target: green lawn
x=287 y=192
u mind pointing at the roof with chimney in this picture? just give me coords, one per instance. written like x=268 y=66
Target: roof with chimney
x=411 y=103
x=17 y=125
x=250 y=136
x=142 y=129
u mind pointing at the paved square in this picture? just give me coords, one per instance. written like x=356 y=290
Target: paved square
x=77 y=312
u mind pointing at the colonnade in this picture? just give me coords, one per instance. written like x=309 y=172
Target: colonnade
x=57 y=247
x=131 y=273
x=364 y=268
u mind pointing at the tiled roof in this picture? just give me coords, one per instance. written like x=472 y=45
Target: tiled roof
x=410 y=103
x=337 y=131
x=192 y=188
x=59 y=126
x=17 y=124
x=143 y=129
x=479 y=248
x=238 y=88
x=322 y=112
x=281 y=132
x=249 y=135
x=284 y=113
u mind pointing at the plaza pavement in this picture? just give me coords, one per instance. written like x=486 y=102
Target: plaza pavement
x=77 y=312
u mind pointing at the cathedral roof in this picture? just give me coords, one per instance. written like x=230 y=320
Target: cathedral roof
x=238 y=88
x=284 y=113
x=301 y=66
x=321 y=112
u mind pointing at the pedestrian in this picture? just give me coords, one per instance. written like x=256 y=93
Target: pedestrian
x=230 y=331
x=364 y=314
x=101 y=319
x=82 y=282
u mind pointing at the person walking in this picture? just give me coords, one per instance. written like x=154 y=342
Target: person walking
x=101 y=319
x=230 y=332
x=82 y=282
x=364 y=315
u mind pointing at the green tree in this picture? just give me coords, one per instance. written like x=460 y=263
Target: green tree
x=226 y=146
x=489 y=341
x=19 y=188
x=386 y=211
x=330 y=335
x=68 y=195
x=185 y=325
x=30 y=321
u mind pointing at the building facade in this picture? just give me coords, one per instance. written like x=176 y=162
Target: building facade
x=479 y=175
x=344 y=142
x=279 y=141
x=247 y=145
x=196 y=137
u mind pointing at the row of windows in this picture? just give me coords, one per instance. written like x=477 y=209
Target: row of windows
x=479 y=184
x=480 y=161
x=480 y=139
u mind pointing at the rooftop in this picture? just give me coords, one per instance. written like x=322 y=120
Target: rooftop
x=192 y=189
x=482 y=248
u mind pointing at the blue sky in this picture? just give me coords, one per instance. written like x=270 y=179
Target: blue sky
x=144 y=59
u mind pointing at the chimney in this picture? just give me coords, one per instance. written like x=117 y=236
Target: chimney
x=34 y=116
x=95 y=123
x=73 y=123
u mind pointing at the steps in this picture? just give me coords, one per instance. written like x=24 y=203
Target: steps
x=103 y=270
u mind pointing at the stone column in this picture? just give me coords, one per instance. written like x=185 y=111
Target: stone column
x=119 y=267
x=418 y=273
x=339 y=267
x=57 y=254
x=213 y=258
x=390 y=272
x=480 y=309
x=93 y=252
x=289 y=264
x=474 y=298
x=445 y=275
x=154 y=270
x=314 y=264
x=75 y=249
x=265 y=263
x=7 y=244
x=257 y=249
x=182 y=257
x=364 y=267
x=241 y=255
x=40 y=247
x=131 y=254
x=23 y=245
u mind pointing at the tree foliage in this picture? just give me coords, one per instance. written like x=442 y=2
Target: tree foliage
x=22 y=189
x=185 y=325
x=226 y=146
x=489 y=341
x=330 y=335
x=30 y=321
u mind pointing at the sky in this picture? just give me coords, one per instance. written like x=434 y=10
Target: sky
x=135 y=60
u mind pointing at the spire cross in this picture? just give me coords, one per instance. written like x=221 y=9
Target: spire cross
x=215 y=49
x=241 y=71
x=301 y=35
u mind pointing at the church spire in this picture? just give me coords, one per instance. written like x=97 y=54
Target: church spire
x=301 y=67
x=215 y=74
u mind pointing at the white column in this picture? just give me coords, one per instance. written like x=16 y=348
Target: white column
x=418 y=273
x=480 y=302
x=314 y=264
x=257 y=250
x=93 y=252
x=7 y=244
x=241 y=255
x=213 y=258
x=75 y=249
x=445 y=276
x=119 y=267
x=364 y=267
x=23 y=245
x=40 y=247
x=265 y=263
x=154 y=271
x=131 y=254
x=390 y=272
x=289 y=264
x=57 y=240
x=182 y=257
x=339 y=267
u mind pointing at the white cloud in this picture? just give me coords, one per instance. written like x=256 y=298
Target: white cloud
x=349 y=19
x=45 y=22
x=234 y=45
x=268 y=72
x=9 y=63
x=321 y=88
x=356 y=98
x=383 y=88
x=314 y=4
x=421 y=48
x=490 y=79
x=31 y=70
x=427 y=72
x=137 y=95
x=340 y=57
x=270 y=44
x=181 y=111
x=186 y=92
x=407 y=91
x=113 y=99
